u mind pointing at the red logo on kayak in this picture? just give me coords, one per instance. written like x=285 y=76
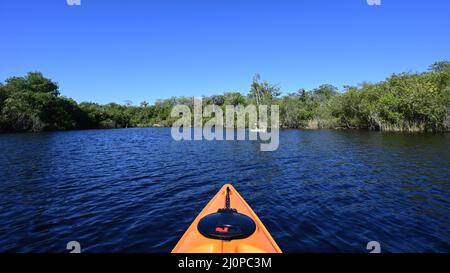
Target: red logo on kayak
x=222 y=230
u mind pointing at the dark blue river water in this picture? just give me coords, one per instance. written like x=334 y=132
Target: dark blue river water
x=137 y=190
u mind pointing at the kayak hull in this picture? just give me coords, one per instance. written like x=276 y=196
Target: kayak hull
x=259 y=242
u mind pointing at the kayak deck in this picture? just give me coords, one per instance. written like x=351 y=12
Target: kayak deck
x=259 y=242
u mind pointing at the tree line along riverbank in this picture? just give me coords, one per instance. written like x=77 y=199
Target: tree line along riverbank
x=411 y=102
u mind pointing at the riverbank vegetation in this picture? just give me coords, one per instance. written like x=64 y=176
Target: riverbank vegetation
x=412 y=102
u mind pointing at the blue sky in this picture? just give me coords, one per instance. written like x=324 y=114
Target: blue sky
x=112 y=51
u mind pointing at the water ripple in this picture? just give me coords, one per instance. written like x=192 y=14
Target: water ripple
x=137 y=190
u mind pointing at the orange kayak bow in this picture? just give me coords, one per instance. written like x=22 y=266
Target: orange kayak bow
x=227 y=225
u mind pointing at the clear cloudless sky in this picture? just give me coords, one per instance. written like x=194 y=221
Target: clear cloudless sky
x=112 y=51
